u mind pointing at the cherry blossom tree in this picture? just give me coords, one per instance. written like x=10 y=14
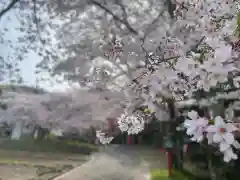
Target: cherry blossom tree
x=158 y=52
x=208 y=64
x=80 y=109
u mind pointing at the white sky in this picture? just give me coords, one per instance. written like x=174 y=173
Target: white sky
x=28 y=65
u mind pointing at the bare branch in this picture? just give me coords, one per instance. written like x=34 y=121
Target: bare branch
x=194 y=48
x=119 y=2
x=36 y=20
x=150 y=27
x=8 y=8
x=115 y=17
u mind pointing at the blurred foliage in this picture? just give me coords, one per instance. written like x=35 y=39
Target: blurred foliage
x=237 y=30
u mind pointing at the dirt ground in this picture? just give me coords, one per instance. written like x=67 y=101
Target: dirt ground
x=20 y=165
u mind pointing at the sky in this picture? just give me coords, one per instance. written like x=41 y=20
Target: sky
x=27 y=66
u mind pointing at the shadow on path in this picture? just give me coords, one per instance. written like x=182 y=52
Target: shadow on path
x=118 y=163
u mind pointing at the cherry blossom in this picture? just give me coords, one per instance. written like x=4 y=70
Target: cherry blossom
x=229 y=155
x=183 y=52
x=196 y=126
x=77 y=108
x=131 y=124
x=122 y=124
x=222 y=134
x=103 y=138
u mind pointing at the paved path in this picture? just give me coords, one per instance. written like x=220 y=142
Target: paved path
x=118 y=163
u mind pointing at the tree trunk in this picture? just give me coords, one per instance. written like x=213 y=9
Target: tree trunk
x=139 y=141
x=39 y=133
x=35 y=133
x=17 y=130
x=212 y=173
x=177 y=159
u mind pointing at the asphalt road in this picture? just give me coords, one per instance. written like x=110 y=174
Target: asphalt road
x=118 y=163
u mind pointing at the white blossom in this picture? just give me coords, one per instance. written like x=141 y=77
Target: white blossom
x=221 y=133
x=195 y=64
x=196 y=126
x=131 y=124
x=229 y=155
x=103 y=138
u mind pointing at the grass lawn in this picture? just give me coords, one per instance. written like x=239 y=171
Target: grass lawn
x=48 y=145
x=162 y=174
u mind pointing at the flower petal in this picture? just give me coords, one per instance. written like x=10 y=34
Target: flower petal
x=223 y=53
x=229 y=155
x=193 y=139
x=229 y=138
x=191 y=130
x=226 y=157
x=202 y=122
x=199 y=138
x=236 y=144
x=230 y=127
x=234 y=156
x=210 y=138
x=217 y=138
x=219 y=121
x=224 y=146
x=211 y=129
x=193 y=115
x=188 y=123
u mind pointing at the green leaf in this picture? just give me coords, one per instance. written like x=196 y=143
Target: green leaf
x=237 y=30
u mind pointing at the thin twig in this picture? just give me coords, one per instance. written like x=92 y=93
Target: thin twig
x=115 y=17
x=36 y=21
x=8 y=8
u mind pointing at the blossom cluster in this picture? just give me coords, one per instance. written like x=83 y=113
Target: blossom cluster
x=103 y=138
x=216 y=131
x=130 y=123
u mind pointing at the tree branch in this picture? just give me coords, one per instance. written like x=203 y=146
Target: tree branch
x=36 y=21
x=149 y=28
x=115 y=17
x=8 y=8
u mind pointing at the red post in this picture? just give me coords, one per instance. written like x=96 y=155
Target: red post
x=129 y=139
x=110 y=124
x=169 y=163
x=169 y=160
x=162 y=150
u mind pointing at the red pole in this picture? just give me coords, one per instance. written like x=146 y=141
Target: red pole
x=129 y=139
x=169 y=160
x=169 y=164
x=162 y=150
x=110 y=124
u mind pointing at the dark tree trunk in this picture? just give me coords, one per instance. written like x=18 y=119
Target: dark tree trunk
x=176 y=152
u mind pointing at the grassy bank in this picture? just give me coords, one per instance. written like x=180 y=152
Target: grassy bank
x=162 y=174
x=48 y=145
